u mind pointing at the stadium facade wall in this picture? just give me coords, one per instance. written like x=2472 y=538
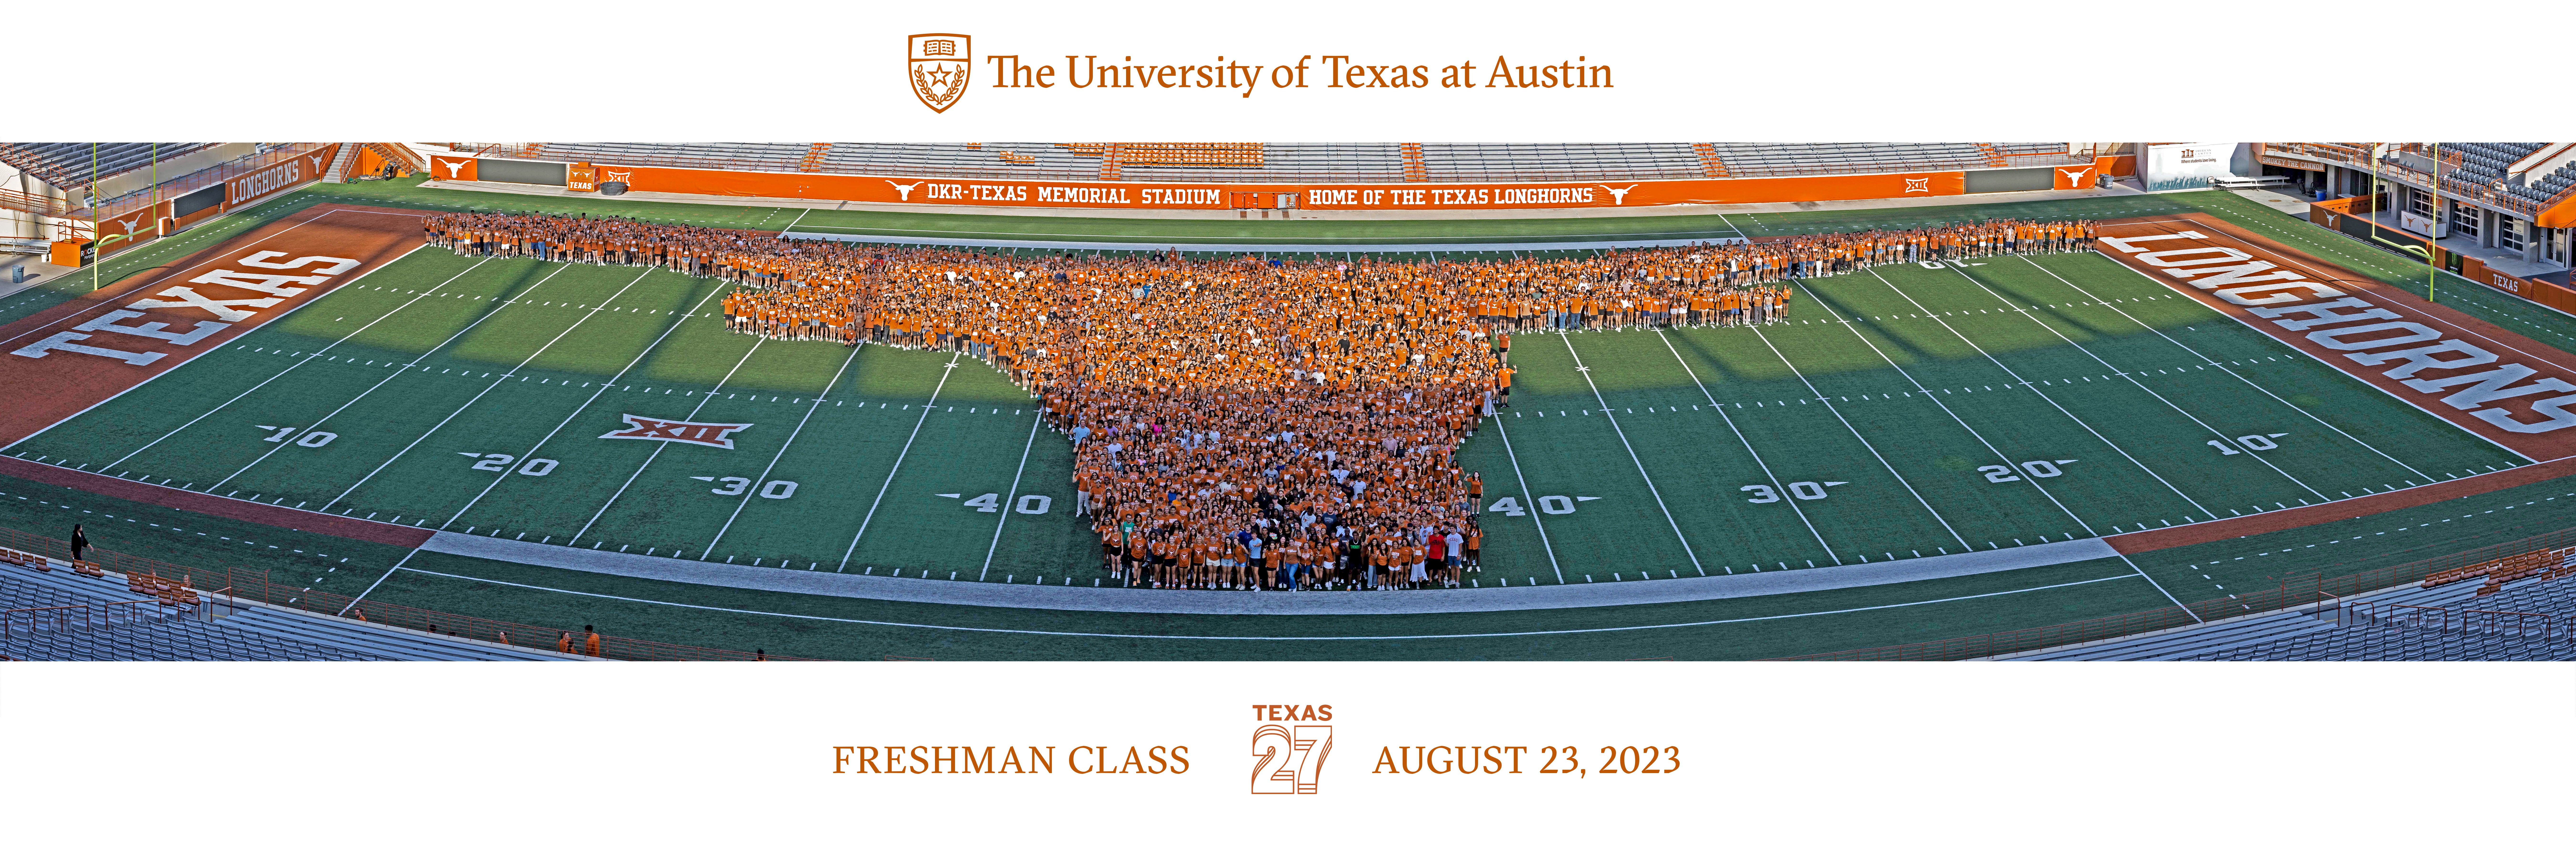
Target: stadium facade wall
x=2338 y=215
x=2190 y=166
x=523 y=172
x=1319 y=195
x=148 y=220
x=2022 y=179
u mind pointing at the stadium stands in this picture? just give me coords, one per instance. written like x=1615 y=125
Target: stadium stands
x=2464 y=618
x=1308 y=162
x=2400 y=644
x=40 y=622
x=1809 y=159
x=51 y=610
x=1560 y=162
x=69 y=165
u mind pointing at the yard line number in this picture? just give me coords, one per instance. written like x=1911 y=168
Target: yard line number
x=2249 y=442
x=538 y=467
x=775 y=489
x=2035 y=468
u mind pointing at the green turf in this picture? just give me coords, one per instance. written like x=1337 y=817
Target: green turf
x=1897 y=386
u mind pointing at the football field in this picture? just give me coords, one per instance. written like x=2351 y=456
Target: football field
x=1901 y=412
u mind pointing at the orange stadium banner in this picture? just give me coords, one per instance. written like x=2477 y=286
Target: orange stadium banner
x=580 y=176
x=304 y=167
x=930 y=191
x=453 y=169
x=2082 y=176
x=144 y=222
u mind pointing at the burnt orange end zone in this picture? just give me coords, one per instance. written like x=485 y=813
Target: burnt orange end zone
x=90 y=349
x=2506 y=388
x=216 y=505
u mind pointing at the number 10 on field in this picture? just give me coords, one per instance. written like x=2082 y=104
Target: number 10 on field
x=2249 y=442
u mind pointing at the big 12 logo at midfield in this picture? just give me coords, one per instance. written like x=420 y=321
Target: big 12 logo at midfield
x=1289 y=758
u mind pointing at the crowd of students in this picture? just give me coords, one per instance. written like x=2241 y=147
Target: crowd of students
x=1248 y=422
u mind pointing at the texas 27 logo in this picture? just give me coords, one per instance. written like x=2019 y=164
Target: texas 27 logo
x=1289 y=758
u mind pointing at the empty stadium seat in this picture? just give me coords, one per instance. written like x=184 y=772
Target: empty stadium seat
x=71 y=165
x=1320 y=162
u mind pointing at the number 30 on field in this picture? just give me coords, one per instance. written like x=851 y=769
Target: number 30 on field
x=1804 y=490
x=737 y=485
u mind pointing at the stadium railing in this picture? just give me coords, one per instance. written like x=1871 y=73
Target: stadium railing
x=2297 y=590
x=2357 y=156
x=236 y=585
x=1294 y=163
x=168 y=189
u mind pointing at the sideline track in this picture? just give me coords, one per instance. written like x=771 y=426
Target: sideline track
x=1078 y=598
x=1073 y=634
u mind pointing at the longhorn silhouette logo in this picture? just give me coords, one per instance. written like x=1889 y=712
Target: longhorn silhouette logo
x=903 y=193
x=2076 y=177
x=454 y=166
x=1619 y=196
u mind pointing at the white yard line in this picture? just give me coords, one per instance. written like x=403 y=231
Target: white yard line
x=1010 y=499
x=1773 y=479
x=398 y=371
x=898 y=463
x=2222 y=367
x=660 y=446
x=800 y=216
x=1543 y=543
x=594 y=395
x=2124 y=374
x=281 y=373
x=2026 y=384
x=2151 y=581
x=1838 y=417
x=371 y=588
x=762 y=481
x=2376 y=284
x=1641 y=464
x=150 y=283
x=1936 y=401
x=2337 y=367
x=478 y=395
x=1683 y=625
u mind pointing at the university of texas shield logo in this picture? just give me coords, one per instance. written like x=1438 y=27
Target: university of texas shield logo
x=938 y=66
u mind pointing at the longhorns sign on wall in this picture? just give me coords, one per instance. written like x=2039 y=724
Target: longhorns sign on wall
x=935 y=191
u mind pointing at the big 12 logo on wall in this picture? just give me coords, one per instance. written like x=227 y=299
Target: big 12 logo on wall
x=1289 y=758
x=938 y=64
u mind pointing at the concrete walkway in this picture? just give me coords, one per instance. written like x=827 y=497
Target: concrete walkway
x=1082 y=597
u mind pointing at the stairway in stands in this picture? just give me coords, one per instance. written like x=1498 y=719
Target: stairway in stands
x=339 y=170
x=207 y=631
x=1708 y=160
x=813 y=162
x=1994 y=157
x=1414 y=169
